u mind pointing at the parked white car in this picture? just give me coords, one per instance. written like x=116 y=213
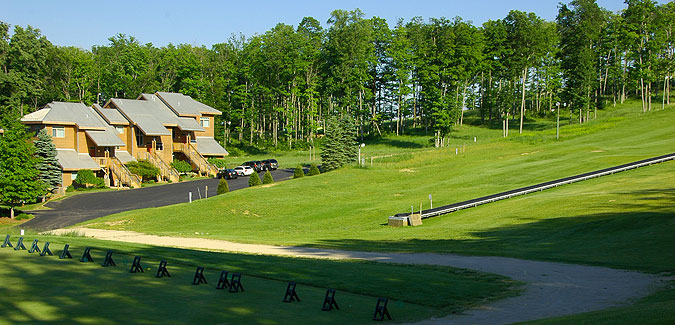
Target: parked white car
x=244 y=170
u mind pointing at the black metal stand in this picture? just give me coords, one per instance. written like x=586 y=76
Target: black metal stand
x=222 y=281
x=34 y=247
x=136 y=265
x=329 y=301
x=199 y=276
x=162 y=271
x=381 y=309
x=65 y=253
x=6 y=243
x=46 y=250
x=20 y=245
x=290 y=293
x=108 y=261
x=235 y=283
x=86 y=256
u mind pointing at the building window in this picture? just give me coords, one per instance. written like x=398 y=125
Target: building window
x=120 y=129
x=205 y=122
x=159 y=145
x=58 y=132
x=139 y=140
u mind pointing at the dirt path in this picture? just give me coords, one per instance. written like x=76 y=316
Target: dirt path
x=552 y=289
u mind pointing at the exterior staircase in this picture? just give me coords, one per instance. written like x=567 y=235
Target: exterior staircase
x=121 y=172
x=165 y=170
x=203 y=165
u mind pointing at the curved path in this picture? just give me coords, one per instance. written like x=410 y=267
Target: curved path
x=87 y=206
x=552 y=289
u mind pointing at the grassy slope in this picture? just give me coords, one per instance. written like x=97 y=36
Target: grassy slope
x=49 y=289
x=347 y=208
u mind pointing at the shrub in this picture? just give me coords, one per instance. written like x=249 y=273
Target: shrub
x=181 y=166
x=24 y=216
x=218 y=162
x=313 y=170
x=86 y=178
x=144 y=169
x=70 y=188
x=267 y=178
x=223 y=187
x=298 y=172
x=253 y=180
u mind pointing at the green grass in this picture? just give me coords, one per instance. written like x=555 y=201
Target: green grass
x=46 y=289
x=347 y=208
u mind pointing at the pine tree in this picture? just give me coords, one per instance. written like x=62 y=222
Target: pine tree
x=298 y=172
x=339 y=146
x=254 y=180
x=19 y=176
x=50 y=171
x=267 y=178
x=313 y=170
x=223 y=187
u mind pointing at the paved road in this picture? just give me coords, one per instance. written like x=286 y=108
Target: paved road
x=89 y=206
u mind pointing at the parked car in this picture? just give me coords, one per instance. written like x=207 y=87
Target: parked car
x=256 y=165
x=244 y=170
x=270 y=164
x=227 y=173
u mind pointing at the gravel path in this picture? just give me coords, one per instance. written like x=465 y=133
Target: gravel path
x=552 y=289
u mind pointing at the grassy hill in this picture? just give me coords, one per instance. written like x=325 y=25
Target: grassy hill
x=347 y=208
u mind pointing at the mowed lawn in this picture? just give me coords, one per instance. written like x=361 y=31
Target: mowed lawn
x=348 y=208
x=47 y=289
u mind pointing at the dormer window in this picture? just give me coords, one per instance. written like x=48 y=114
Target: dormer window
x=205 y=122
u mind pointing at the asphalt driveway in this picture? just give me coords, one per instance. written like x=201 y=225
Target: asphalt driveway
x=83 y=207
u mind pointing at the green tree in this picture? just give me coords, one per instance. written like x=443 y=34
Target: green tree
x=181 y=166
x=339 y=145
x=223 y=187
x=19 y=176
x=267 y=178
x=313 y=170
x=50 y=170
x=254 y=180
x=143 y=168
x=298 y=172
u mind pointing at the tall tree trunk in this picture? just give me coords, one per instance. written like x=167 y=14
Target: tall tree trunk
x=522 y=102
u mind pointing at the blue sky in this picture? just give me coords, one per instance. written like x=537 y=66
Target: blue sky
x=87 y=23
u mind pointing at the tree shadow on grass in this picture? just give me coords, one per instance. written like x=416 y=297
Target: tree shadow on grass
x=631 y=240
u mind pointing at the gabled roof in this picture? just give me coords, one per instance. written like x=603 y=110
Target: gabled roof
x=185 y=105
x=62 y=113
x=152 y=116
x=207 y=146
x=112 y=116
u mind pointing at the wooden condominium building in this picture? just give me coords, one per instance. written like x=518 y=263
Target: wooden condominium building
x=156 y=127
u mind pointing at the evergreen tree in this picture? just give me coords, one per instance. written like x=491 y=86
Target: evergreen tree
x=254 y=180
x=339 y=147
x=223 y=187
x=313 y=170
x=50 y=171
x=298 y=172
x=19 y=176
x=267 y=178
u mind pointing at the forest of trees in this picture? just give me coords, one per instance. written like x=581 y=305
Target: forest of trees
x=278 y=88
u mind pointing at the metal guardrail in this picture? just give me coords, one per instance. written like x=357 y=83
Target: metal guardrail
x=539 y=187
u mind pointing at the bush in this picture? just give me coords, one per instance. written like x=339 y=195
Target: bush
x=313 y=170
x=24 y=216
x=144 y=169
x=218 y=162
x=223 y=187
x=70 y=188
x=181 y=166
x=298 y=172
x=253 y=180
x=267 y=178
x=86 y=178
